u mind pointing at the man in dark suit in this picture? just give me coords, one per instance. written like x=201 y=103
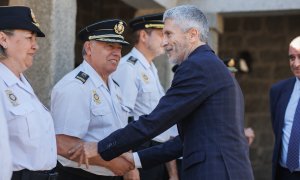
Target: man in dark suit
x=204 y=100
x=284 y=98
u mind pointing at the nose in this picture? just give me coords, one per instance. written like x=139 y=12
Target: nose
x=35 y=45
x=164 y=42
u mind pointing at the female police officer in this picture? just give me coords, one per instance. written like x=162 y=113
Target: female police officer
x=30 y=126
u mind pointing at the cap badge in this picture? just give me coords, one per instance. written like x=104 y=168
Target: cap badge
x=96 y=97
x=231 y=63
x=119 y=28
x=34 y=19
x=12 y=97
x=145 y=78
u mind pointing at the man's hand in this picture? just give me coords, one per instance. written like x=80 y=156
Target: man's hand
x=249 y=133
x=89 y=150
x=132 y=175
x=120 y=165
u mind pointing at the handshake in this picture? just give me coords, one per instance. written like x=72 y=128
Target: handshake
x=87 y=153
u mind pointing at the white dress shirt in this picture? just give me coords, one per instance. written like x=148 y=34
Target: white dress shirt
x=30 y=125
x=141 y=88
x=288 y=122
x=87 y=109
x=5 y=162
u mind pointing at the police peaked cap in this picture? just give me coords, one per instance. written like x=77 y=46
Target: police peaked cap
x=19 y=17
x=110 y=30
x=147 y=21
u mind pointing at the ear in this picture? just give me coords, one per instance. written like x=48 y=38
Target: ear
x=193 y=34
x=3 y=39
x=87 y=47
x=143 y=36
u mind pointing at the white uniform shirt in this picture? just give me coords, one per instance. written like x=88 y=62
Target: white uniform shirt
x=87 y=109
x=141 y=88
x=5 y=162
x=30 y=125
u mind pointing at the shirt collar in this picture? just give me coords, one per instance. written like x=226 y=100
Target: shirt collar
x=11 y=79
x=140 y=57
x=95 y=77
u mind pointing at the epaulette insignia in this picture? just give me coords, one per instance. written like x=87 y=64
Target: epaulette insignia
x=132 y=60
x=82 y=77
x=116 y=83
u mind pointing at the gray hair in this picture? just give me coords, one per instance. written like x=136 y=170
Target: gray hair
x=3 y=54
x=187 y=17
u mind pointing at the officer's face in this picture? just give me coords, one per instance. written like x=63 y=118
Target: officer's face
x=20 y=49
x=294 y=57
x=175 y=42
x=154 y=42
x=104 y=56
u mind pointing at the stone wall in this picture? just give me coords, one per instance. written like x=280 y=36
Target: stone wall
x=266 y=39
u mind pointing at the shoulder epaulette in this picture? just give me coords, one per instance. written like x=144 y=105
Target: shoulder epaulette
x=81 y=76
x=116 y=82
x=132 y=60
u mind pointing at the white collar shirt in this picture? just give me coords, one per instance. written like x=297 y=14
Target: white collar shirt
x=30 y=125
x=88 y=110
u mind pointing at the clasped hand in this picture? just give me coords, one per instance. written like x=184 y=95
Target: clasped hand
x=87 y=150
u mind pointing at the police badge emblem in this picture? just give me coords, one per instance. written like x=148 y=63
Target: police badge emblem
x=12 y=97
x=34 y=19
x=145 y=78
x=96 y=97
x=119 y=28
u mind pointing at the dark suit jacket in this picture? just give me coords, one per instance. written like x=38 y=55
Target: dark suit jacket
x=280 y=95
x=207 y=104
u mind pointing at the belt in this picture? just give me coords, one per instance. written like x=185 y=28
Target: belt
x=26 y=174
x=81 y=173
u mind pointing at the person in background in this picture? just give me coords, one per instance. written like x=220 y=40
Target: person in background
x=231 y=65
x=30 y=125
x=205 y=102
x=141 y=88
x=285 y=116
x=86 y=104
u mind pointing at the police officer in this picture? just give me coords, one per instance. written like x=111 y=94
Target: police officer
x=30 y=125
x=86 y=103
x=140 y=85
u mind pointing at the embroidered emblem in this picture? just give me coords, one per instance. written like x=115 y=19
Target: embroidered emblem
x=96 y=97
x=82 y=77
x=34 y=19
x=132 y=60
x=119 y=28
x=12 y=97
x=145 y=78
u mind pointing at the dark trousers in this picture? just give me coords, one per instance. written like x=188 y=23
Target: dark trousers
x=68 y=173
x=285 y=174
x=158 y=172
x=26 y=174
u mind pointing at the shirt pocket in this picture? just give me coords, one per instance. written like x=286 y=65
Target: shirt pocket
x=147 y=92
x=24 y=121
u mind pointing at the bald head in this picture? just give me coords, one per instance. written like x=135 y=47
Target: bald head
x=294 y=56
x=295 y=43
